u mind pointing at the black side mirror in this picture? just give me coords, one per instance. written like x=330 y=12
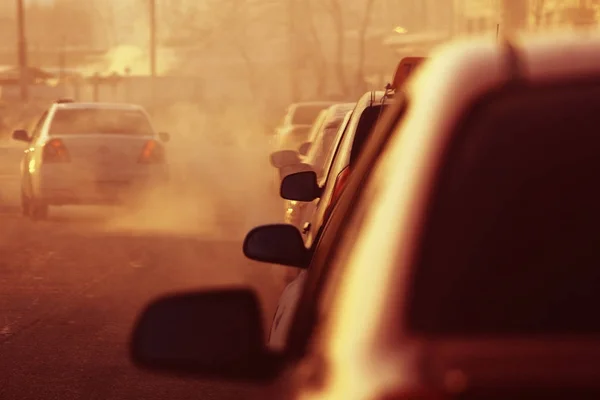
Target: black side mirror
x=214 y=334
x=21 y=135
x=305 y=148
x=277 y=244
x=283 y=158
x=301 y=186
x=164 y=136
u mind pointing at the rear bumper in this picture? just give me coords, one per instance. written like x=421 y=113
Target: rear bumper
x=57 y=189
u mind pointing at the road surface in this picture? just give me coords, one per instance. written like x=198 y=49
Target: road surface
x=71 y=288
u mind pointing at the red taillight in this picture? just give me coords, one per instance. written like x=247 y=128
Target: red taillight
x=338 y=186
x=55 y=151
x=152 y=153
x=340 y=183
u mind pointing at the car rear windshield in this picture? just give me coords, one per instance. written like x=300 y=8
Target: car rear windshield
x=306 y=114
x=293 y=139
x=512 y=244
x=366 y=123
x=98 y=121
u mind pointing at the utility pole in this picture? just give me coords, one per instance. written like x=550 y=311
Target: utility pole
x=22 y=51
x=153 y=38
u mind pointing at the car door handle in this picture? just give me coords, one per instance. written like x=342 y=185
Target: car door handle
x=306 y=228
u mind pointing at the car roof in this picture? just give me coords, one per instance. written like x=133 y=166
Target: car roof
x=311 y=104
x=98 y=106
x=463 y=71
x=339 y=111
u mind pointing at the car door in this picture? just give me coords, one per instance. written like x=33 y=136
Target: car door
x=30 y=152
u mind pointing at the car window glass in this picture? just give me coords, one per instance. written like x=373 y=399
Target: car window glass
x=366 y=123
x=293 y=139
x=512 y=245
x=95 y=121
x=306 y=114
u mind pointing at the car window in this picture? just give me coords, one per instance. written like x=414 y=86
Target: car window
x=366 y=123
x=306 y=114
x=94 y=121
x=511 y=245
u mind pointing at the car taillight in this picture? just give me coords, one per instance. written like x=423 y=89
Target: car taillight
x=338 y=186
x=340 y=183
x=55 y=151
x=152 y=153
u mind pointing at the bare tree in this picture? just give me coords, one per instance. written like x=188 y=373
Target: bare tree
x=362 y=44
x=337 y=17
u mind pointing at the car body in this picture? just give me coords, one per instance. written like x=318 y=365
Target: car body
x=475 y=276
x=294 y=137
x=462 y=257
x=347 y=146
x=320 y=150
x=90 y=153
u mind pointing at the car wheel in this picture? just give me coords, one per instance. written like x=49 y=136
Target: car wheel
x=38 y=210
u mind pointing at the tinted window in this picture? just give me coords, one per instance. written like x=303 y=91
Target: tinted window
x=512 y=245
x=365 y=126
x=306 y=114
x=91 y=121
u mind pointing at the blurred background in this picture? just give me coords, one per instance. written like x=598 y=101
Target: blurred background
x=257 y=55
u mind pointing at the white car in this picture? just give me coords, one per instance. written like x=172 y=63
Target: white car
x=90 y=153
x=302 y=114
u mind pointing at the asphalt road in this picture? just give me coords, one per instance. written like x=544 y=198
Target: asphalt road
x=71 y=288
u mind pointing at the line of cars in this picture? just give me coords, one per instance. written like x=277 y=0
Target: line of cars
x=90 y=153
x=460 y=261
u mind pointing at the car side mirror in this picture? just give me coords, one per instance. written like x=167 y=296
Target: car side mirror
x=301 y=186
x=21 y=135
x=305 y=148
x=283 y=158
x=277 y=244
x=164 y=136
x=213 y=334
